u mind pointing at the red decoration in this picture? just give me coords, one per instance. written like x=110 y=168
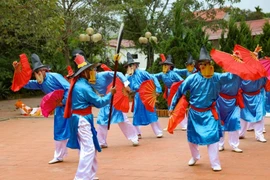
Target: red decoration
x=178 y=114
x=236 y=64
x=147 y=94
x=121 y=98
x=50 y=101
x=266 y=64
x=162 y=57
x=105 y=67
x=173 y=90
x=22 y=73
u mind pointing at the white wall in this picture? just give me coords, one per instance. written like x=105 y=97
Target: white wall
x=142 y=58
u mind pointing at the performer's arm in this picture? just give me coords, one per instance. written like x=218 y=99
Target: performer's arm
x=33 y=84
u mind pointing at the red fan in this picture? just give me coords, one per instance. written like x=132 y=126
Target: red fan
x=147 y=94
x=173 y=90
x=50 y=101
x=251 y=59
x=121 y=98
x=178 y=114
x=236 y=64
x=266 y=64
x=22 y=73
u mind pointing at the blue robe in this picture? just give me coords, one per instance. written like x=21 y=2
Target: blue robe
x=202 y=128
x=229 y=112
x=267 y=102
x=141 y=116
x=103 y=79
x=184 y=73
x=254 y=104
x=84 y=96
x=52 y=82
x=168 y=79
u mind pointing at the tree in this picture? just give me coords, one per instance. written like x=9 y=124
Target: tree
x=265 y=39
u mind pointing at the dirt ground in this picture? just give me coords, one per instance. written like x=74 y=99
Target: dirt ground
x=26 y=146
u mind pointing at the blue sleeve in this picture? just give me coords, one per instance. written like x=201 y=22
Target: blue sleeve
x=180 y=72
x=33 y=84
x=96 y=100
x=158 y=75
x=157 y=84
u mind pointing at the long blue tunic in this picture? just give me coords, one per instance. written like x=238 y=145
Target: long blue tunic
x=168 y=79
x=254 y=104
x=141 y=116
x=52 y=82
x=103 y=79
x=84 y=96
x=229 y=112
x=202 y=128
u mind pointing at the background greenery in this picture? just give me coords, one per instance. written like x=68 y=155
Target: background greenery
x=51 y=28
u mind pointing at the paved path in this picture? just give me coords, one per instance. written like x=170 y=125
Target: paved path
x=26 y=146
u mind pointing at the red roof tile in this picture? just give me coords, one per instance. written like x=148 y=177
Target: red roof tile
x=255 y=26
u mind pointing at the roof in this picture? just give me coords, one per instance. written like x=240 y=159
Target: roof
x=256 y=27
x=124 y=43
x=220 y=14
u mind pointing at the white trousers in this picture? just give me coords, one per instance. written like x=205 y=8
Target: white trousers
x=155 y=127
x=60 y=149
x=233 y=139
x=258 y=128
x=87 y=166
x=212 y=153
x=126 y=127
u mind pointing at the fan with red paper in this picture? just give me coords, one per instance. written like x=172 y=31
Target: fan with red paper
x=22 y=73
x=121 y=98
x=173 y=90
x=50 y=101
x=178 y=114
x=147 y=93
x=234 y=63
x=251 y=59
x=266 y=64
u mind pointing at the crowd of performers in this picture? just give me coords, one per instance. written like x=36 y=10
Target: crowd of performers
x=218 y=102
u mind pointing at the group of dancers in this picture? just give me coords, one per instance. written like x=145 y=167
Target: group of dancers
x=218 y=103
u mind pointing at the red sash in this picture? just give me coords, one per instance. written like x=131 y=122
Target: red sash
x=238 y=97
x=212 y=108
x=83 y=112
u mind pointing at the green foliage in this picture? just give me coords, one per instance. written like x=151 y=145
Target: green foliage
x=265 y=40
x=4 y=91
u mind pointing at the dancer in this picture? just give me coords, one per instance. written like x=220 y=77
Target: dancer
x=141 y=116
x=228 y=104
x=203 y=123
x=47 y=82
x=81 y=99
x=168 y=76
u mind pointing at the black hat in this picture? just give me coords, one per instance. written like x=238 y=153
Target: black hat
x=77 y=51
x=81 y=63
x=130 y=60
x=167 y=61
x=36 y=63
x=190 y=59
x=204 y=55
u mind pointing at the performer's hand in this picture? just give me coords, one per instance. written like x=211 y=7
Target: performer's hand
x=128 y=89
x=116 y=57
x=157 y=94
x=113 y=90
x=170 y=112
x=14 y=64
